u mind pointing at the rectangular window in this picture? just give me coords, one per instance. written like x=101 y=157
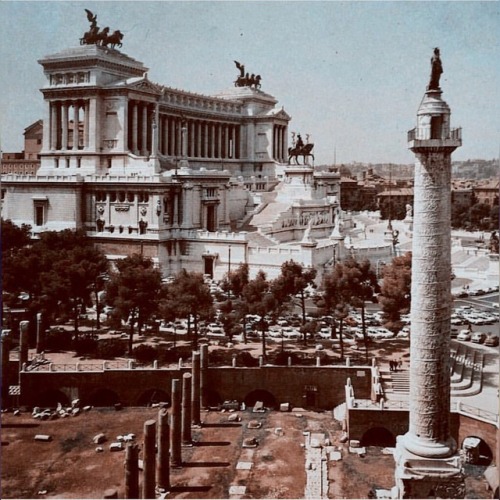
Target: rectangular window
x=39 y=215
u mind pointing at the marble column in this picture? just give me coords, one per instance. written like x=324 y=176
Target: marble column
x=53 y=125
x=76 y=127
x=186 y=409
x=135 y=125
x=163 y=458
x=64 y=125
x=149 y=460
x=132 y=471
x=144 y=130
x=428 y=464
x=176 y=425
x=195 y=389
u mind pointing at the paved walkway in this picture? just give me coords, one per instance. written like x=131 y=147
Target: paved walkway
x=316 y=466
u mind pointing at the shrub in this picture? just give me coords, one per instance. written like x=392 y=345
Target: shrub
x=145 y=353
x=111 y=348
x=246 y=359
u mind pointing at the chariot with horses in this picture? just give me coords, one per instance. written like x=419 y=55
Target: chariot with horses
x=103 y=37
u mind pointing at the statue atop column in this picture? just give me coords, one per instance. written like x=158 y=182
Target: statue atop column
x=245 y=79
x=103 y=37
x=436 y=71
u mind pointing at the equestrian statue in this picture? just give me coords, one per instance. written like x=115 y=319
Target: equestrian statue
x=245 y=79
x=103 y=37
x=300 y=149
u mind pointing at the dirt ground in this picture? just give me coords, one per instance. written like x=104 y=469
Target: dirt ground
x=69 y=467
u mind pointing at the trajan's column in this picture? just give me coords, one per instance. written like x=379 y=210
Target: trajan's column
x=427 y=462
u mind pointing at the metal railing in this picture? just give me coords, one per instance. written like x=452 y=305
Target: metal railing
x=455 y=134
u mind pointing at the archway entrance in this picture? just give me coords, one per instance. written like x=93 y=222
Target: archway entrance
x=477 y=451
x=52 y=398
x=266 y=397
x=103 y=397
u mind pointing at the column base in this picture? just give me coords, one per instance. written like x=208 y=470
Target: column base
x=421 y=477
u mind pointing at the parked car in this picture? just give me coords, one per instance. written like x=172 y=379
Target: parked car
x=491 y=340
x=464 y=335
x=478 y=337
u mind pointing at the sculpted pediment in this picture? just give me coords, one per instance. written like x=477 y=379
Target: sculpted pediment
x=283 y=115
x=145 y=85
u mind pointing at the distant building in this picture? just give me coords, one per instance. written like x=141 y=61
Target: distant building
x=486 y=191
x=184 y=178
x=26 y=162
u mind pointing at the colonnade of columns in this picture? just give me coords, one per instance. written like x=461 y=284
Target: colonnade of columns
x=69 y=124
x=205 y=139
x=141 y=127
x=280 y=152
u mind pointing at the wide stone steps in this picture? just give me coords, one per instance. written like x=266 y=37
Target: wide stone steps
x=466 y=372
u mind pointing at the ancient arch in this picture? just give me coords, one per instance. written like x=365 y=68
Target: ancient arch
x=103 y=397
x=378 y=436
x=480 y=455
x=52 y=397
x=212 y=398
x=266 y=397
x=152 y=396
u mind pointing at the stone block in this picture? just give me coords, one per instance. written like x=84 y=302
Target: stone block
x=116 y=447
x=254 y=424
x=43 y=437
x=244 y=465
x=234 y=417
x=354 y=443
x=99 y=438
x=237 y=490
x=285 y=407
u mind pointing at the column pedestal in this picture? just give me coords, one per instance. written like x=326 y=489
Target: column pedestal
x=418 y=477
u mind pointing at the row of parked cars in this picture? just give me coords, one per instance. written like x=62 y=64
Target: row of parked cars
x=489 y=340
x=465 y=315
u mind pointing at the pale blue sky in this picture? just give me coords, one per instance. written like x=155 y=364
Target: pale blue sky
x=351 y=74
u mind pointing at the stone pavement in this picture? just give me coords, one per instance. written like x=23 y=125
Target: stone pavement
x=316 y=455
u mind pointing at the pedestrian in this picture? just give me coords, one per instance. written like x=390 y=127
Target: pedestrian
x=400 y=364
x=391 y=365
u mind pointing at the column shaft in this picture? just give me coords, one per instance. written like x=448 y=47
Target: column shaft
x=163 y=458
x=149 y=460
x=64 y=125
x=135 y=127
x=186 y=409
x=195 y=389
x=132 y=471
x=175 y=425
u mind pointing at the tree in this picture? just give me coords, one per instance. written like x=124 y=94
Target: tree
x=134 y=292
x=14 y=237
x=361 y=285
x=56 y=271
x=260 y=301
x=78 y=272
x=234 y=281
x=188 y=296
x=292 y=284
x=332 y=301
x=235 y=309
x=395 y=291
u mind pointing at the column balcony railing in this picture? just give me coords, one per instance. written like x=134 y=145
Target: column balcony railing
x=455 y=134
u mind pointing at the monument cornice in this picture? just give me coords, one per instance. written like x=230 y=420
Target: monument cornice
x=198 y=114
x=91 y=63
x=71 y=92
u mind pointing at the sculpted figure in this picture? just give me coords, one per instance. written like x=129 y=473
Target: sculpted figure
x=436 y=71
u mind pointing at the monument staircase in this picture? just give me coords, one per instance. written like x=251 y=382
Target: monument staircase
x=466 y=374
